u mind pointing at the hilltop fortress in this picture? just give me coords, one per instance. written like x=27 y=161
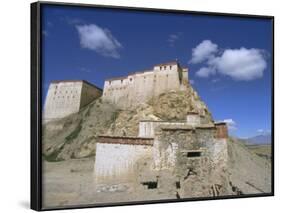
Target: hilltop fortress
x=138 y=87
x=164 y=153
x=146 y=136
x=67 y=97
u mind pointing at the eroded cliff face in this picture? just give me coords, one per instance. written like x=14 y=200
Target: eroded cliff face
x=75 y=136
x=170 y=106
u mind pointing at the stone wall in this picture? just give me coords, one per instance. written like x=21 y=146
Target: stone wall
x=147 y=127
x=193 y=119
x=115 y=162
x=67 y=97
x=169 y=142
x=139 y=87
x=176 y=148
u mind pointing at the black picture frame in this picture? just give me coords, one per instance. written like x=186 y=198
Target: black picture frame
x=36 y=103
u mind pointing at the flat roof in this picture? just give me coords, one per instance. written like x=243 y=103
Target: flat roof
x=140 y=72
x=167 y=63
x=125 y=140
x=125 y=77
x=73 y=81
x=116 y=78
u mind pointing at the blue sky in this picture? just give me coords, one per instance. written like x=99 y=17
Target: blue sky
x=229 y=59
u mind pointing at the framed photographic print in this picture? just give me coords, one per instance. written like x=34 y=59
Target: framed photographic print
x=137 y=105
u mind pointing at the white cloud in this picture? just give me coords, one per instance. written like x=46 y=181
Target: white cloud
x=205 y=72
x=98 y=39
x=231 y=124
x=173 y=38
x=203 y=51
x=240 y=64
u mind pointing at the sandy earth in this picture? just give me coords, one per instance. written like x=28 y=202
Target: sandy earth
x=71 y=182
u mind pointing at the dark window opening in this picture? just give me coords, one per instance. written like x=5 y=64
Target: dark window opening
x=193 y=154
x=150 y=184
x=178 y=185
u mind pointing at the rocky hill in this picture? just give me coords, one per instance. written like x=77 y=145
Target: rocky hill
x=69 y=149
x=75 y=136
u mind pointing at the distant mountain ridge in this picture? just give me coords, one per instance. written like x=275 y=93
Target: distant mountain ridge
x=259 y=139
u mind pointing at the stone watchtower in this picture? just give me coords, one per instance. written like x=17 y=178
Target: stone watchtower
x=67 y=97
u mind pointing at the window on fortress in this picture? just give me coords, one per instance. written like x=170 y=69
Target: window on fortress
x=121 y=81
x=194 y=154
x=130 y=79
x=164 y=67
x=150 y=184
x=170 y=67
x=178 y=185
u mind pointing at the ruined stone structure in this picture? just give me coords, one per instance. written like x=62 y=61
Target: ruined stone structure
x=67 y=97
x=173 y=147
x=136 y=88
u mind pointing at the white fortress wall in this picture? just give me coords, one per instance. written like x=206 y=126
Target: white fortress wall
x=58 y=97
x=67 y=97
x=141 y=86
x=185 y=74
x=118 y=160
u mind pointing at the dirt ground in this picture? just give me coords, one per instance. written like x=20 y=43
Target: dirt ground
x=71 y=182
